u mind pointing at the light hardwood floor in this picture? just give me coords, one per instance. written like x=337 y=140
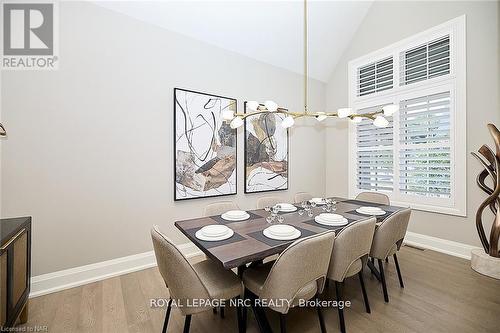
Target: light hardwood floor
x=442 y=294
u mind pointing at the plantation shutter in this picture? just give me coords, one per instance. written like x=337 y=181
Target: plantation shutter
x=374 y=155
x=424 y=155
x=375 y=77
x=426 y=61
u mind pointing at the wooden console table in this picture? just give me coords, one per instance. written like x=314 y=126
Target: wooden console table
x=15 y=270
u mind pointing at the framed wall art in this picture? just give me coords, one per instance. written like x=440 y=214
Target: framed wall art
x=204 y=146
x=266 y=153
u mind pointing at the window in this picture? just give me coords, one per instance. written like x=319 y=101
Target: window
x=375 y=77
x=375 y=155
x=419 y=159
x=426 y=61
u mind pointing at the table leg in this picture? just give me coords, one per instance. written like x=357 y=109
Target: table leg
x=374 y=270
x=240 y=270
x=261 y=318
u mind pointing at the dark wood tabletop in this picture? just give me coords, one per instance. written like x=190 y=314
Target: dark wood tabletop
x=248 y=244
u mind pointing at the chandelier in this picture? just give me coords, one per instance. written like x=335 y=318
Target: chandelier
x=237 y=119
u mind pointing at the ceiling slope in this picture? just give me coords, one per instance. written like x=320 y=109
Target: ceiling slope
x=268 y=31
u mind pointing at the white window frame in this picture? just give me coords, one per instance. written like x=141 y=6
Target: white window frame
x=455 y=82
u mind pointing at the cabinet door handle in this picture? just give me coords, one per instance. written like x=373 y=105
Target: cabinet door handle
x=16 y=236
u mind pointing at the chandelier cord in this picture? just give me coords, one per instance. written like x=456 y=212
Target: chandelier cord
x=305 y=57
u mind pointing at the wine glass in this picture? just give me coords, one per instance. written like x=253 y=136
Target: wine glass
x=281 y=218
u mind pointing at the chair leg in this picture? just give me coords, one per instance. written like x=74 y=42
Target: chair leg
x=283 y=322
x=382 y=278
x=187 y=324
x=167 y=316
x=338 y=291
x=399 y=271
x=363 y=290
x=221 y=308
x=214 y=310
x=321 y=318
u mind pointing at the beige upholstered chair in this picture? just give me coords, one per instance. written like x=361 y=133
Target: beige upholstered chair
x=375 y=197
x=185 y=282
x=387 y=241
x=349 y=256
x=302 y=196
x=268 y=201
x=218 y=208
x=299 y=273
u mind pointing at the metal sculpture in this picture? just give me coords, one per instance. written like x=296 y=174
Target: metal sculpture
x=491 y=164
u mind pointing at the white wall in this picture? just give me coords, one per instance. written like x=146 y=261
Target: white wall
x=90 y=150
x=389 y=22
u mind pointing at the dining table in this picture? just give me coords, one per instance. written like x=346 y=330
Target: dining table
x=248 y=245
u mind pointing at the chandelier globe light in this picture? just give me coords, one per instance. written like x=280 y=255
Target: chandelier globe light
x=377 y=117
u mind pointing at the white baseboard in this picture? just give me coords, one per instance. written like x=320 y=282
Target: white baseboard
x=439 y=245
x=74 y=277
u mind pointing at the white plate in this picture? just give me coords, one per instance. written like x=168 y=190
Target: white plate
x=229 y=218
x=202 y=237
x=295 y=235
x=214 y=230
x=319 y=220
x=318 y=201
x=286 y=209
x=283 y=230
x=381 y=212
x=235 y=213
x=331 y=217
x=370 y=209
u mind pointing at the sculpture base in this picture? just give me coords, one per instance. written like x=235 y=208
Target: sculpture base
x=485 y=264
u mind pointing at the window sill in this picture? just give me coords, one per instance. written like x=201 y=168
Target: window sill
x=432 y=209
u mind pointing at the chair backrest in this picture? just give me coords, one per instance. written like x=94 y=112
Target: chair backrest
x=351 y=244
x=375 y=197
x=182 y=281
x=302 y=196
x=303 y=262
x=389 y=233
x=268 y=201
x=218 y=208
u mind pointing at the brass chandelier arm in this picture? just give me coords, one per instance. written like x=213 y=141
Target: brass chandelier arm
x=371 y=115
x=271 y=107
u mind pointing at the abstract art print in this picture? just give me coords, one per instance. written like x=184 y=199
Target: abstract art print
x=266 y=153
x=204 y=146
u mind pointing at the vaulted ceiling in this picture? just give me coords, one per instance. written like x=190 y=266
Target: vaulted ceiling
x=268 y=31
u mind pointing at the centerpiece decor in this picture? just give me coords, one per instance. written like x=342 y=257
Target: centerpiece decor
x=487 y=260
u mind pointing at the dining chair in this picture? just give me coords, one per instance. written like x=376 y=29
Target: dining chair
x=268 y=201
x=375 y=197
x=387 y=240
x=302 y=196
x=218 y=208
x=349 y=256
x=188 y=282
x=298 y=275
